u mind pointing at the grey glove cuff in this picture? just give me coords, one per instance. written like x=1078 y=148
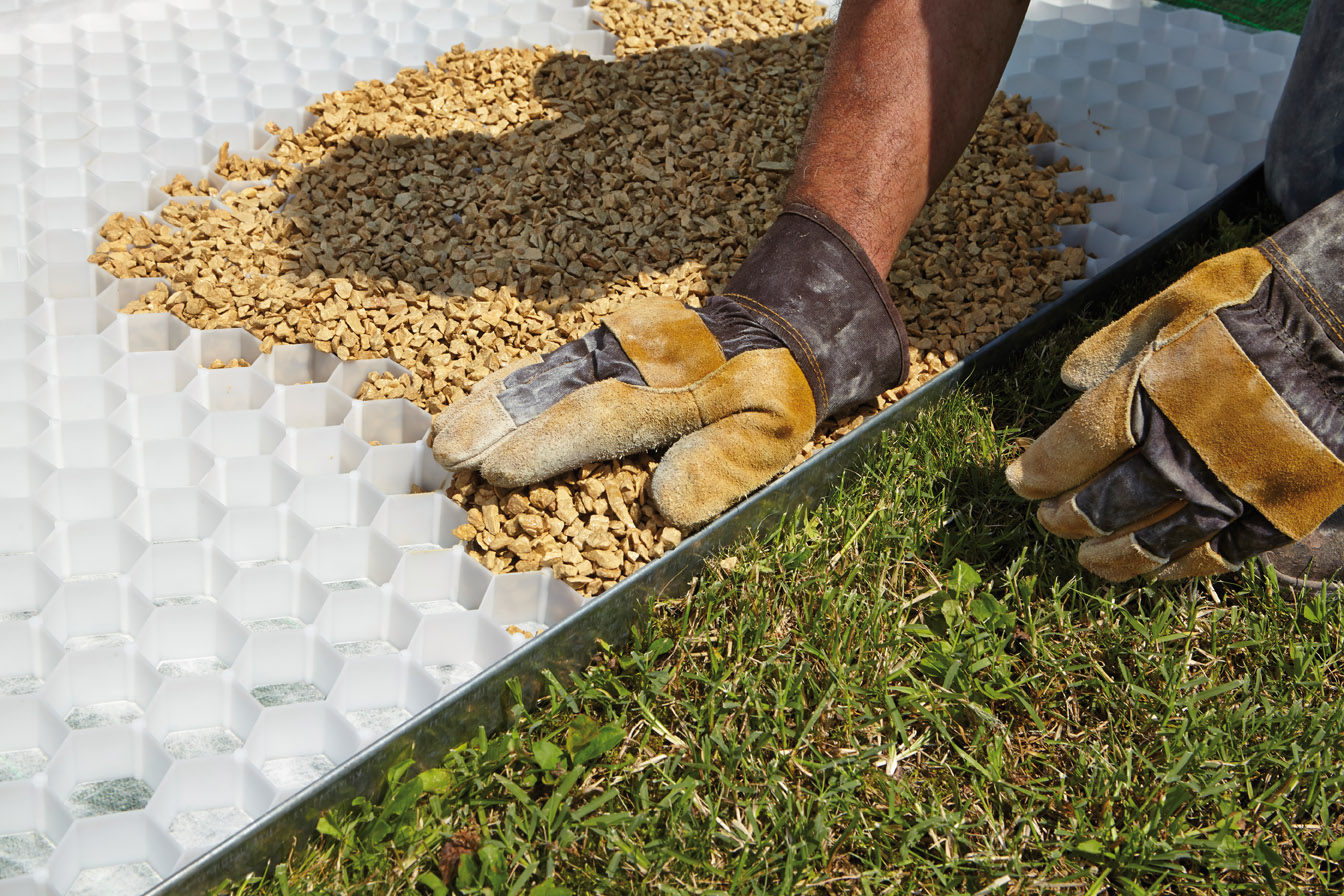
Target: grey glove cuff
x=811 y=284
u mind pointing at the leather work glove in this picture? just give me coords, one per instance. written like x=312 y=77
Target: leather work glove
x=1213 y=422
x=805 y=328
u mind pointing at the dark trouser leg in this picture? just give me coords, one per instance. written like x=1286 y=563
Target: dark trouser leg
x=1304 y=159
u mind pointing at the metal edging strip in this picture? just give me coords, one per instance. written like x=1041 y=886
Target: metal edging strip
x=568 y=646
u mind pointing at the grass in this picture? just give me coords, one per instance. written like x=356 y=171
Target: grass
x=908 y=689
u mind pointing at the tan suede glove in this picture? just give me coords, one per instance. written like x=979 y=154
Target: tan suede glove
x=1213 y=422
x=735 y=388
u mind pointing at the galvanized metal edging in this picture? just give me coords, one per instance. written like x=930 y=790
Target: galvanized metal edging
x=567 y=647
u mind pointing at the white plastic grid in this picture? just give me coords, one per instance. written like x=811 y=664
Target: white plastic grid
x=216 y=589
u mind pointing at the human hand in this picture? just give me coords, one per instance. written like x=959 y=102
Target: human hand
x=735 y=388
x=1212 y=424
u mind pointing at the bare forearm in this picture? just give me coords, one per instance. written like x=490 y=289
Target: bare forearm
x=906 y=83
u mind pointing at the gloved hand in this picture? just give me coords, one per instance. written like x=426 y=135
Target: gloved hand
x=1213 y=422
x=736 y=388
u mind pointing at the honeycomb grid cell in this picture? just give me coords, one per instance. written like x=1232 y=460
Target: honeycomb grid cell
x=172 y=535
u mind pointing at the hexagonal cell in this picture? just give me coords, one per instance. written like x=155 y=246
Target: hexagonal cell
x=423 y=522
x=93 y=613
x=325 y=449
x=101 y=688
x=350 y=375
x=405 y=469
x=22 y=472
x=335 y=499
x=519 y=598
x=82 y=443
x=441 y=581
x=23 y=378
x=30 y=733
x=191 y=641
x=250 y=535
x=347 y=558
x=204 y=347
x=274 y=597
x=27 y=654
x=152 y=373
x=295 y=745
x=230 y=389
x=76 y=280
x=206 y=716
x=378 y=693
x=166 y=463
x=86 y=494
x=29 y=584
x=173 y=514
x=240 y=433
x=250 y=481
x=314 y=404
x=287 y=666
x=366 y=622
x=24 y=525
x=292 y=365
x=72 y=317
x=157 y=332
x=390 y=421
x=20 y=423
x=79 y=397
x=159 y=416
x=202 y=802
x=32 y=822
x=18 y=338
x=114 y=854
x=454 y=648
x=182 y=573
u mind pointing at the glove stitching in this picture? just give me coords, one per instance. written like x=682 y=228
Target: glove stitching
x=807 y=349
x=1314 y=298
x=1289 y=347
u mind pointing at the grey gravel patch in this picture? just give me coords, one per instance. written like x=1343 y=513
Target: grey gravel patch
x=351 y=584
x=17 y=615
x=429 y=607
x=182 y=600
x=288 y=692
x=101 y=639
x=193 y=667
x=274 y=623
x=378 y=720
x=454 y=674
x=371 y=647
x=23 y=852
x=296 y=771
x=16 y=685
x=190 y=743
x=114 y=880
x=20 y=765
x=206 y=827
x=107 y=797
x=96 y=715
x=415 y=548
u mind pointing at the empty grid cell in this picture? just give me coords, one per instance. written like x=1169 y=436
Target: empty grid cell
x=182 y=573
x=312 y=404
x=325 y=449
x=166 y=463
x=148 y=417
x=29 y=584
x=249 y=535
x=30 y=732
x=423 y=522
x=335 y=499
x=191 y=640
x=24 y=525
x=86 y=444
x=230 y=389
x=79 y=397
x=250 y=481
x=295 y=745
x=364 y=622
x=295 y=365
x=73 y=317
x=173 y=514
x=241 y=433
x=100 y=688
x=287 y=666
x=404 y=469
x=32 y=822
x=27 y=653
x=86 y=494
x=444 y=580
x=20 y=423
x=380 y=692
x=274 y=597
x=350 y=557
x=91 y=613
x=151 y=373
x=206 y=347
x=192 y=717
x=455 y=647
x=389 y=421
x=22 y=472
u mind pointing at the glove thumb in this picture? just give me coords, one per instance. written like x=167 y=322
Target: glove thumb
x=1227 y=279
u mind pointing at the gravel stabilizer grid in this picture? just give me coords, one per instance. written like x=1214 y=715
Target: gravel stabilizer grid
x=210 y=598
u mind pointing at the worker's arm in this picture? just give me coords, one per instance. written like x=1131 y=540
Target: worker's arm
x=805 y=328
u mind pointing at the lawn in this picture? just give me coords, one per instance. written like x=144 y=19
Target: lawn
x=910 y=688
